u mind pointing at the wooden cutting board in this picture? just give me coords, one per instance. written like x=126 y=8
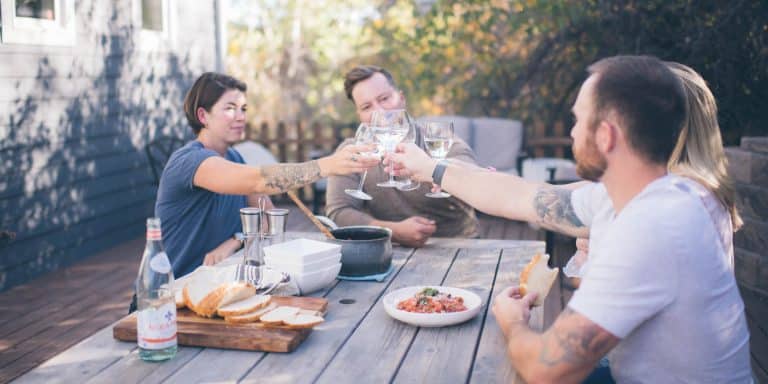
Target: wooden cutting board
x=197 y=331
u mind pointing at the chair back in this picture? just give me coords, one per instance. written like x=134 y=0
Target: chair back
x=159 y=151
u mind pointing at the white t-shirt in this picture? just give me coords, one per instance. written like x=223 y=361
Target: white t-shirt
x=660 y=277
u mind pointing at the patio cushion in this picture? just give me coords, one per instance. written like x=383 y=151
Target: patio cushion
x=254 y=153
x=497 y=142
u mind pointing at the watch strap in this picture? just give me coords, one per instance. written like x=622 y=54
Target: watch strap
x=438 y=172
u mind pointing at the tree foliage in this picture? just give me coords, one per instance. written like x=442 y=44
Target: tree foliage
x=526 y=59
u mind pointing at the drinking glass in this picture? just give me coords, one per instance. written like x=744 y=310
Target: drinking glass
x=389 y=129
x=413 y=130
x=364 y=135
x=438 y=138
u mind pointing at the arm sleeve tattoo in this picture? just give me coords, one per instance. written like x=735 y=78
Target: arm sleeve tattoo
x=555 y=212
x=284 y=177
x=582 y=343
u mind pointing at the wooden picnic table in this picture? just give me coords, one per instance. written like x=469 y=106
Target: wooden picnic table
x=358 y=342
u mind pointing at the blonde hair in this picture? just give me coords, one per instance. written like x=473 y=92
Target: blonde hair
x=699 y=152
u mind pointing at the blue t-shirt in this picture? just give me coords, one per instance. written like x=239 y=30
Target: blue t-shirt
x=194 y=220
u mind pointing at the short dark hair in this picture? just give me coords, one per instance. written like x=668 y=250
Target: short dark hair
x=364 y=72
x=206 y=91
x=648 y=99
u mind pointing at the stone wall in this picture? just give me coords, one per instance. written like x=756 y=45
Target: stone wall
x=748 y=165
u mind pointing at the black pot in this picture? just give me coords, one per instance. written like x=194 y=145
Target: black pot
x=365 y=250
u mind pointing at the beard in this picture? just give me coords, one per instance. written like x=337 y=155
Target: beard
x=590 y=163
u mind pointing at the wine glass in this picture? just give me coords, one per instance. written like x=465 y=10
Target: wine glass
x=389 y=129
x=410 y=137
x=438 y=138
x=364 y=135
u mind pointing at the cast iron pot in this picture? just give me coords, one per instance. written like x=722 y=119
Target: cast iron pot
x=365 y=250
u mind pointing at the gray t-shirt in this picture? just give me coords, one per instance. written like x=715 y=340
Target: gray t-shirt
x=194 y=220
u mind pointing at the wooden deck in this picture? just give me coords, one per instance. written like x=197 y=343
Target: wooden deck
x=54 y=312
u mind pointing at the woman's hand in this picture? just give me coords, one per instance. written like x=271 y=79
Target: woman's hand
x=409 y=160
x=349 y=159
x=221 y=252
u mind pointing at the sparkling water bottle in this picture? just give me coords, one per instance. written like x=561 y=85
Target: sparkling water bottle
x=156 y=307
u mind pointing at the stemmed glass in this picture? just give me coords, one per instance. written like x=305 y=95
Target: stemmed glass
x=389 y=129
x=364 y=135
x=438 y=138
x=413 y=129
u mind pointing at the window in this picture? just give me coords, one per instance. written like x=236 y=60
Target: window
x=153 y=23
x=38 y=22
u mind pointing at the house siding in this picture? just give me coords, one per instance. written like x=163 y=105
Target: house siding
x=74 y=121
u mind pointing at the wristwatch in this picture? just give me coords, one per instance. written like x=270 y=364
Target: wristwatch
x=239 y=237
x=437 y=173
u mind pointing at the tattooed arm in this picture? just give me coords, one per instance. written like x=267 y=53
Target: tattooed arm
x=567 y=352
x=221 y=176
x=515 y=198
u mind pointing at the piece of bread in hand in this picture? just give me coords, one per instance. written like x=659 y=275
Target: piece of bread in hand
x=537 y=277
x=250 y=317
x=278 y=315
x=244 y=306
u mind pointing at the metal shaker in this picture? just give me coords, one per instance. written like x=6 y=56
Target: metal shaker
x=276 y=220
x=251 y=219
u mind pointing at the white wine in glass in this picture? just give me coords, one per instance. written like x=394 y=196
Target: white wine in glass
x=364 y=135
x=438 y=138
x=389 y=128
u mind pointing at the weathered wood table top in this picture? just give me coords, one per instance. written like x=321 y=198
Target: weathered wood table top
x=358 y=342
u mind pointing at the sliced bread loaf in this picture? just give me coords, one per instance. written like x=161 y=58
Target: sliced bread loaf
x=248 y=305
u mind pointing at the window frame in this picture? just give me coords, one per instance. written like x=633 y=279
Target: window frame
x=150 y=39
x=32 y=31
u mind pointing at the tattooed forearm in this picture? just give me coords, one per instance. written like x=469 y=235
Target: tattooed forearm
x=284 y=177
x=555 y=212
x=581 y=342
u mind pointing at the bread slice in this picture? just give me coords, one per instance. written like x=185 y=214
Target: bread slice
x=250 y=317
x=537 y=277
x=236 y=291
x=303 y=321
x=244 y=306
x=278 y=315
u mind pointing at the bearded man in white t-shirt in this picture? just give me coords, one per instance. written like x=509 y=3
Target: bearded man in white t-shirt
x=659 y=296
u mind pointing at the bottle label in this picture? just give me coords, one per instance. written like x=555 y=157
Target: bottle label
x=156 y=326
x=160 y=263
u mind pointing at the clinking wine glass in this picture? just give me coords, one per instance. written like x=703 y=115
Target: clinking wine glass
x=411 y=137
x=389 y=128
x=438 y=138
x=364 y=135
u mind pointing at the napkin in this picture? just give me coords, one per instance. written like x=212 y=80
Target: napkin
x=375 y=277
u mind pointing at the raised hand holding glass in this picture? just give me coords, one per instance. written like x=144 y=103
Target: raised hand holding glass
x=389 y=128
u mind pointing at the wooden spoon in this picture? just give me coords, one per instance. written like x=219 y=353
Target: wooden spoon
x=310 y=215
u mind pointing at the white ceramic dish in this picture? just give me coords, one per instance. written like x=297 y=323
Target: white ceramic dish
x=314 y=265
x=471 y=301
x=301 y=251
x=310 y=282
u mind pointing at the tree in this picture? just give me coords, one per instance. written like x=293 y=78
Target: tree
x=526 y=59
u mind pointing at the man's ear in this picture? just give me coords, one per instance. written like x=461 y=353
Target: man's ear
x=402 y=97
x=606 y=136
x=201 y=115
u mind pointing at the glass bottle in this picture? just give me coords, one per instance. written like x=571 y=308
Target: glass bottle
x=156 y=307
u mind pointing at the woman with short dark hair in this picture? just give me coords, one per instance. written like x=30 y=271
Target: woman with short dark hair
x=205 y=183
